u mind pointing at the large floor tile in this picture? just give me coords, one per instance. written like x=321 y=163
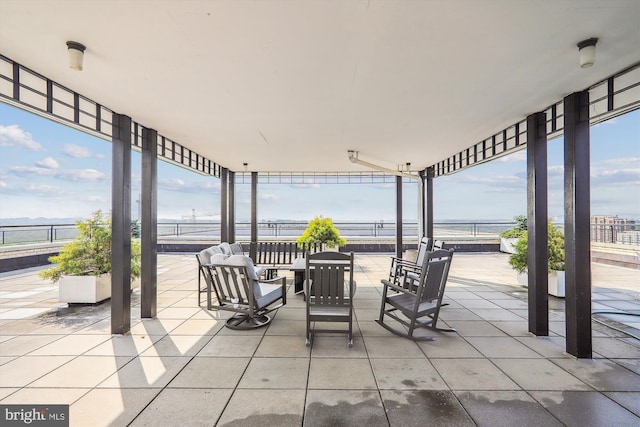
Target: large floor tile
x=449 y=347
x=539 y=374
x=601 y=374
x=282 y=346
x=25 y=344
x=392 y=347
x=177 y=345
x=198 y=407
x=424 y=407
x=342 y=374
x=110 y=407
x=475 y=328
x=585 y=409
x=630 y=400
x=149 y=372
x=83 y=371
x=46 y=396
x=505 y=408
x=231 y=345
x=473 y=374
x=205 y=372
x=506 y=347
x=260 y=408
x=345 y=408
x=23 y=370
x=407 y=374
x=71 y=345
x=278 y=373
x=337 y=347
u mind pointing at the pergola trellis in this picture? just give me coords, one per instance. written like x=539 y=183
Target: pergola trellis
x=571 y=117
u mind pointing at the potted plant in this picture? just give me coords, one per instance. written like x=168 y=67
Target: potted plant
x=83 y=266
x=518 y=260
x=322 y=230
x=509 y=238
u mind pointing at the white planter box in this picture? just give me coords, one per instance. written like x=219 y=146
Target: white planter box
x=508 y=245
x=556 y=282
x=87 y=289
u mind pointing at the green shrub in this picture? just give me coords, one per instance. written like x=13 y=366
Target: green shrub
x=89 y=254
x=517 y=230
x=322 y=230
x=518 y=260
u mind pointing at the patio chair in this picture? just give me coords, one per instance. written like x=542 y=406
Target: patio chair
x=204 y=258
x=400 y=266
x=438 y=244
x=235 y=284
x=416 y=302
x=329 y=289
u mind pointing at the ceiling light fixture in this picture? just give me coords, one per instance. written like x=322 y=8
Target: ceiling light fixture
x=587 y=50
x=76 y=55
x=353 y=158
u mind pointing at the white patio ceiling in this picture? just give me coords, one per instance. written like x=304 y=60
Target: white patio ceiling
x=293 y=85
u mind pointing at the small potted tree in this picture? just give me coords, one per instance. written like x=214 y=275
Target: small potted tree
x=518 y=260
x=322 y=230
x=83 y=266
x=509 y=238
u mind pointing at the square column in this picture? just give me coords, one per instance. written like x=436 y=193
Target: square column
x=577 y=215
x=537 y=228
x=149 y=226
x=121 y=225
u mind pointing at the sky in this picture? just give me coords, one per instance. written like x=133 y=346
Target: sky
x=49 y=170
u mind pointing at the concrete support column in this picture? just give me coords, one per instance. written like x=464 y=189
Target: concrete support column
x=232 y=207
x=577 y=213
x=121 y=225
x=537 y=218
x=149 y=226
x=399 y=216
x=224 y=217
x=428 y=189
x=254 y=213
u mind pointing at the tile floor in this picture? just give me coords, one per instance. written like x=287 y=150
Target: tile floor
x=184 y=368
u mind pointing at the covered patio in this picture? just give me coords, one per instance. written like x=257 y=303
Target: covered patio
x=184 y=367
x=284 y=91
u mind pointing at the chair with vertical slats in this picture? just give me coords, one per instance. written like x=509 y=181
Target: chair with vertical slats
x=415 y=303
x=234 y=286
x=329 y=289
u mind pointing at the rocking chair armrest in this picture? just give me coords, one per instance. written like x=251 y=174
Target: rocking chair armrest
x=388 y=284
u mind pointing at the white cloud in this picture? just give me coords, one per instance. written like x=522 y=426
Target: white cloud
x=79 y=152
x=177 y=184
x=3 y=184
x=268 y=196
x=518 y=156
x=42 y=190
x=82 y=175
x=48 y=163
x=67 y=174
x=26 y=171
x=12 y=135
x=96 y=199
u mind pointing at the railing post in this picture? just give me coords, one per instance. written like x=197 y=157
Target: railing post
x=51 y=234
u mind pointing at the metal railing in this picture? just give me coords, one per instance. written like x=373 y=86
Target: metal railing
x=625 y=234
